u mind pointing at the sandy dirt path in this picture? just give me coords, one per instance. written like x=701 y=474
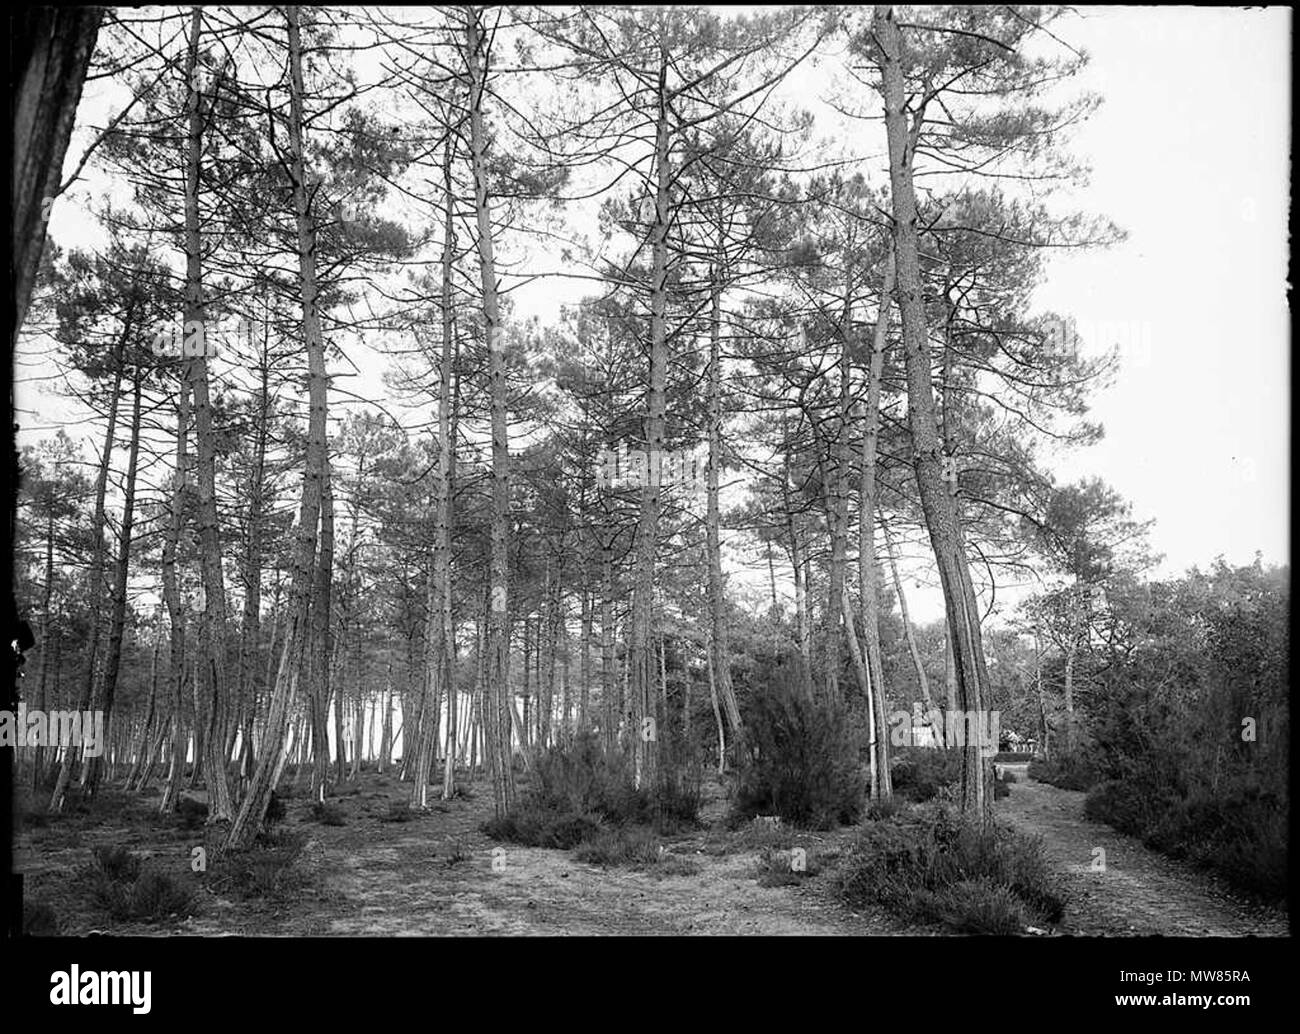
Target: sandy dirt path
x=1140 y=892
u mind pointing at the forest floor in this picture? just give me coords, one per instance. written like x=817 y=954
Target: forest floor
x=439 y=875
x=434 y=875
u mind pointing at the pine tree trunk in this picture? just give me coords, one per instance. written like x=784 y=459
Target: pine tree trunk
x=1042 y=700
x=50 y=50
x=640 y=669
x=172 y=598
x=297 y=633
x=386 y=728
x=584 y=691
x=608 y=676
x=95 y=578
x=868 y=586
x=321 y=662
x=498 y=710
x=713 y=698
x=937 y=502
x=136 y=778
x=251 y=624
x=835 y=492
x=803 y=624
x=717 y=598
x=447 y=474
x=868 y=690
x=438 y=630
x=117 y=622
x=212 y=621
x=47 y=643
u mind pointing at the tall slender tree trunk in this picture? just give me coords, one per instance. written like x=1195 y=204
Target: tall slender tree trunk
x=171 y=596
x=386 y=726
x=438 y=631
x=251 y=624
x=212 y=621
x=584 y=672
x=136 y=777
x=447 y=474
x=50 y=50
x=320 y=663
x=117 y=623
x=546 y=691
x=836 y=491
x=803 y=623
x=869 y=691
x=640 y=651
x=1042 y=699
x=868 y=586
x=297 y=631
x=497 y=719
x=608 y=674
x=713 y=699
x=95 y=579
x=717 y=598
x=937 y=502
x=47 y=642
x=1071 y=656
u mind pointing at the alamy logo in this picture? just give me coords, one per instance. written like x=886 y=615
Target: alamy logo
x=954 y=728
x=36 y=728
x=656 y=467
x=199 y=338
x=125 y=987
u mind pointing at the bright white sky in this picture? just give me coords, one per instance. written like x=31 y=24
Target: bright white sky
x=1190 y=155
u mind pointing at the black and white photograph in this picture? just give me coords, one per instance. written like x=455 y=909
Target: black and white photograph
x=639 y=471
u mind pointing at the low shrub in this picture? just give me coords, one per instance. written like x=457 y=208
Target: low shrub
x=1068 y=771
x=981 y=906
x=264 y=869
x=921 y=773
x=192 y=812
x=128 y=890
x=34 y=818
x=328 y=814
x=675 y=865
x=115 y=862
x=632 y=846
x=398 y=811
x=927 y=864
x=579 y=790
x=886 y=807
x=543 y=827
x=40 y=919
x=802 y=761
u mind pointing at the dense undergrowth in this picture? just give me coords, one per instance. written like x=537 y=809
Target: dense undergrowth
x=585 y=795
x=923 y=863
